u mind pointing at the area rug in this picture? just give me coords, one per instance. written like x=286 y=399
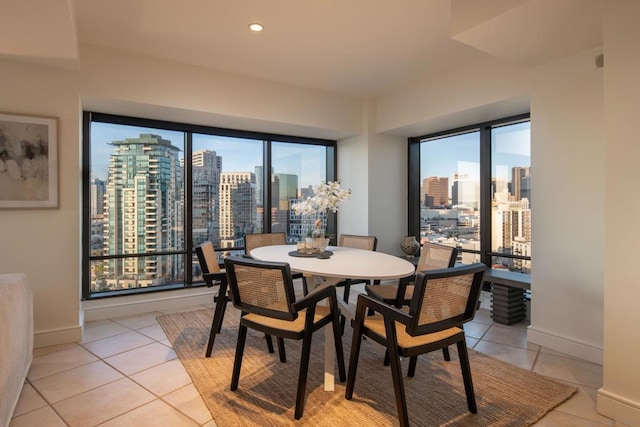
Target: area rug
x=506 y=395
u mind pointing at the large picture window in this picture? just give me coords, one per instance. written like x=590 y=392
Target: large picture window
x=154 y=190
x=471 y=188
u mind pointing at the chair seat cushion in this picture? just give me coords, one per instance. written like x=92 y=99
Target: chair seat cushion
x=297 y=326
x=375 y=323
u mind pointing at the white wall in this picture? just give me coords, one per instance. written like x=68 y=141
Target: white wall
x=374 y=166
x=45 y=244
x=485 y=90
x=568 y=207
x=619 y=396
x=387 y=186
x=353 y=160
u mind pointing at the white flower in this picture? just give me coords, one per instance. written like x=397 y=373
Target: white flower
x=327 y=196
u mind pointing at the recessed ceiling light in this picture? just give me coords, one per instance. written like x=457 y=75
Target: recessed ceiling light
x=256 y=27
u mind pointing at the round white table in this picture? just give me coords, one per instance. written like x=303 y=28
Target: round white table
x=344 y=263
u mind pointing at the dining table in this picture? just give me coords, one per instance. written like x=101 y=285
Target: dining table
x=332 y=267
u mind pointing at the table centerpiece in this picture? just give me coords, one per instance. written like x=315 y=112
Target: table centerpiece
x=327 y=197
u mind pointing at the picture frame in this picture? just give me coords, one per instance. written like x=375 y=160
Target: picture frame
x=28 y=161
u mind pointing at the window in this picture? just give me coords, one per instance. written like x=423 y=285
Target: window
x=511 y=197
x=471 y=188
x=154 y=190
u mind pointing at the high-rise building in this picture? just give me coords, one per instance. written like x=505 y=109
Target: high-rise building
x=141 y=210
x=436 y=191
x=521 y=183
x=238 y=207
x=98 y=188
x=205 y=188
x=465 y=191
x=512 y=231
x=284 y=187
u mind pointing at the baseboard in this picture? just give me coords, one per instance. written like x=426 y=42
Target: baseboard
x=565 y=345
x=130 y=306
x=618 y=408
x=57 y=336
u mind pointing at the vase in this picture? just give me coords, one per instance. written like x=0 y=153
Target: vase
x=409 y=246
x=317 y=233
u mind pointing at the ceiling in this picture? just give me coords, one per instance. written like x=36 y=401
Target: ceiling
x=352 y=47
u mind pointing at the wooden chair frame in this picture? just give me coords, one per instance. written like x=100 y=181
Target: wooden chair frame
x=257 y=240
x=417 y=327
x=213 y=275
x=401 y=293
x=358 y=242
x=305 y=306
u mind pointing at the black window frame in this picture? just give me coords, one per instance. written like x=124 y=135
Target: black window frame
x=413 y=184
x=189 y=130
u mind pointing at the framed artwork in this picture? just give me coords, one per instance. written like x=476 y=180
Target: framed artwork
x=28 y=162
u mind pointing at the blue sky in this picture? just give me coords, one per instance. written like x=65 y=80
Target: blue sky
x=238 y=155
x=461 y=154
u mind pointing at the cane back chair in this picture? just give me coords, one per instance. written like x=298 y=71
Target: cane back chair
x=264 y=292
x=443 y=300
x=212 y=275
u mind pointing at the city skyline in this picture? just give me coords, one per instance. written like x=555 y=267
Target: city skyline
x=240 y=154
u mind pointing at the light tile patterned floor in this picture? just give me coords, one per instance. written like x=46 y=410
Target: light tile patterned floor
x=125 y=373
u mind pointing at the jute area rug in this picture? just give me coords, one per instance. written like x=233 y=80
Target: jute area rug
x=506 y=395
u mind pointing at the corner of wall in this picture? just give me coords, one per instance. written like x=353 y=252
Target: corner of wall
x=617 y=407
x=57 y=336
x=565 y=345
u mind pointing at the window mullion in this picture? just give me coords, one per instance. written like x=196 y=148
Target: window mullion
x=266 y=188
x=485 y=195
x=188 y=208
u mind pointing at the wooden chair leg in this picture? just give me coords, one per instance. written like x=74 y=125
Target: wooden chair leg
x=269 y=342
x=463 y=355
x=345 y=298
x=305 y=288
x=445 y=353
x=343 y=323
x=347 y=291
x=216 y=324
x=302 y=377
x=398 y=385
x=283 y=355
x=237 y=362
x=412 y=366
x=385 y=362
x=356 y=342
x=335 y=324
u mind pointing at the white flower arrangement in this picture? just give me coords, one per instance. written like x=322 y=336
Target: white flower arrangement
x=327 y=196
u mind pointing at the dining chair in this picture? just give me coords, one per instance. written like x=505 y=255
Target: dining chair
x=257 y=240
x=433 y=256
x=443 y=300
x=212 y=275
x=264 y=293
x=368 y=243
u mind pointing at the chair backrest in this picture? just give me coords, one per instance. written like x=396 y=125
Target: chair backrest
x=434 y=256
x=207 y=259
x=368 y=243
x=264 y=288
x=445 y=298
x=252 y=241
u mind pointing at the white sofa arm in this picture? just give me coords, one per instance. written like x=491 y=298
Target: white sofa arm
x=16 y=340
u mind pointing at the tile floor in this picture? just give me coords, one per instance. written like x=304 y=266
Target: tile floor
x=124 y=372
